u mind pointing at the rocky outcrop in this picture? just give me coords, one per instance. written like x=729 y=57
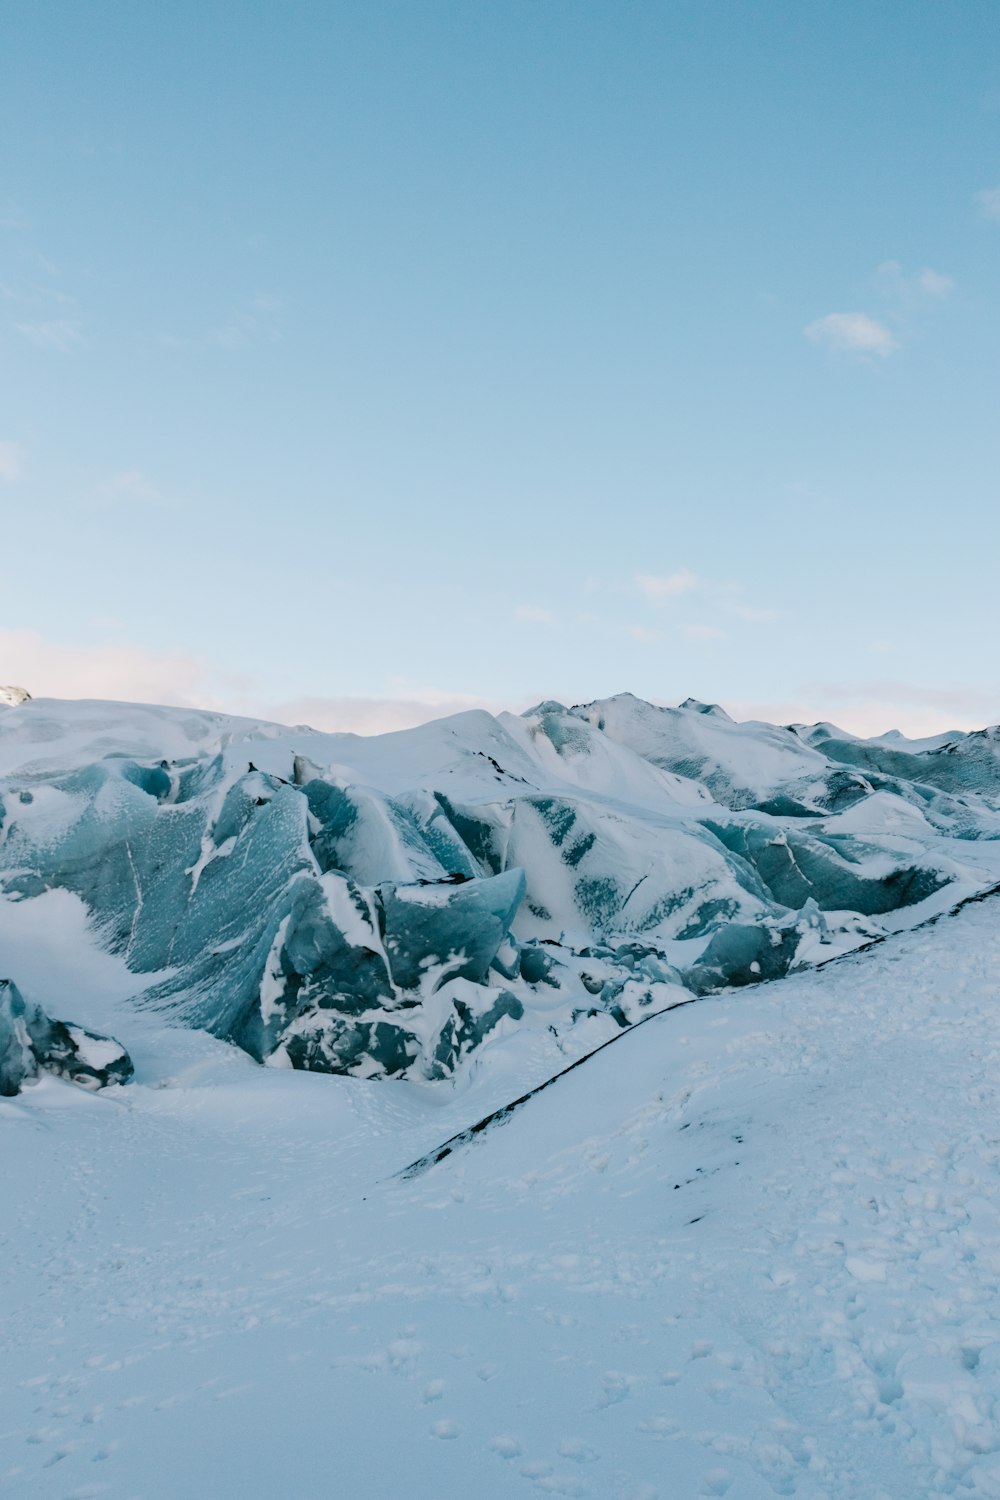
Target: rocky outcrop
x=32 y=1043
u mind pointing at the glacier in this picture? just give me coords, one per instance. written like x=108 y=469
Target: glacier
x=389 y=906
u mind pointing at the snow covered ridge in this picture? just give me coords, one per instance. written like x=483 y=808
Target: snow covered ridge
x=390 y=905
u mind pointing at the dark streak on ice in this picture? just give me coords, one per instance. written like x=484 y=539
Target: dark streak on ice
x=502 y=1115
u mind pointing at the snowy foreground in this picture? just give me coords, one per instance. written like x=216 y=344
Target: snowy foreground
x=750 y=1248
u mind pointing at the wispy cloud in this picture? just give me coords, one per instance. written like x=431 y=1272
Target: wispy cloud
x=257 y=323
x=935 y=283
x=852 y=332
x=703 y=632
x=925 y=283
x=643 y=634
x=533 y=614
x=129 y=484
x=720 y=597
x=659 y=588
x=988 y=202
x=60 y=334
x=11 y=461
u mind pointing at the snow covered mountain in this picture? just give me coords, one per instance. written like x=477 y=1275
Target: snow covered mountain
x=391 y=905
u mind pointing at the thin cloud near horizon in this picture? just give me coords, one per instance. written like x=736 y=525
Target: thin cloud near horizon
x=130 y=674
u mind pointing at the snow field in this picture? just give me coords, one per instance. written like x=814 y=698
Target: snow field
x=752 y=1249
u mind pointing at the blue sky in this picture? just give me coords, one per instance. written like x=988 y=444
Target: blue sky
x=363 y=359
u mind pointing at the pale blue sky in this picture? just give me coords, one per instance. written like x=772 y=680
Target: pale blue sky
x=450 y=351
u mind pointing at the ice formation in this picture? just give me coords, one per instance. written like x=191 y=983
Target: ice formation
x=32 y=1043
x=385 y=906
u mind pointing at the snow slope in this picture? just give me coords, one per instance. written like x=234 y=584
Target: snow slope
x=752 y=1248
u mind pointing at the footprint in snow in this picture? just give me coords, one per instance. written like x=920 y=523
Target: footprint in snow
x=403 y=1353
x=616 y=1387
x=573 y=1448
x=659 y=1427
x=506 y=1446
x=445 y=1429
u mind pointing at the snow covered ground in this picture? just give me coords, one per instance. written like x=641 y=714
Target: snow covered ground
x=752 y=1248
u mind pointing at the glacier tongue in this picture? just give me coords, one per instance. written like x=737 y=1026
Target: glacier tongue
x=386 y=906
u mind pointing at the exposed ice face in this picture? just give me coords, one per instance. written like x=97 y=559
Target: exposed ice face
x=957 y=764
x=384 y=906
x=18 y=1062
x=32 y=1043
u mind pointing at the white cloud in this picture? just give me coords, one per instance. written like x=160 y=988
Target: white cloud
x=130 y=484
x=923 y=283
x=659 y=588
x=988 y=201
x=852 y=331
x=935 y=283
x=533 y=614
x=11 y=462
x=641 y=633
x=60 y=334
x=703 y=632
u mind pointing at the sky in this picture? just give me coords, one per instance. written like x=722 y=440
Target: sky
x=365 y=361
